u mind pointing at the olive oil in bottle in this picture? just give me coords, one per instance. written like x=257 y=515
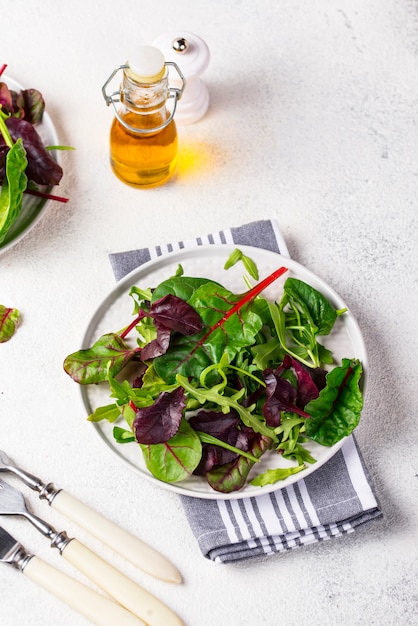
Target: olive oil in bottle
x=143 y=135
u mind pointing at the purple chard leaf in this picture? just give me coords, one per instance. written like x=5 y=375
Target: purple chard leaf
x=223 y=427
x=42 y=167
x=33 y=105
x=160 y=421
x=233 y=476
x=175 y=314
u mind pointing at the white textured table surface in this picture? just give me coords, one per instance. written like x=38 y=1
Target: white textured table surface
x=313 y=121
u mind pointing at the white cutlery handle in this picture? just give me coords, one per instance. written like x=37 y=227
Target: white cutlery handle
x=129 y=594
x=120 y=540
x=99 y=609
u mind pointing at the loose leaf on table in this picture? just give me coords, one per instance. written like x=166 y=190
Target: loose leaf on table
x=92 y=365
x=9 y=321
x=336 y=412
x=176 y=459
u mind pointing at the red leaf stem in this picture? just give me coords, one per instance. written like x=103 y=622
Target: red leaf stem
x=247 y=297
x=2 y=68
x=132 y=325
x=48 y=196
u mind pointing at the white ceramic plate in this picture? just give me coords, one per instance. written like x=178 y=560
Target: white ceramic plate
x=115 y=312
x=33 y=207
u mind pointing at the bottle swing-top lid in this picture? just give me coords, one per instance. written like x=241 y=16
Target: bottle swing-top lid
x=146 y=64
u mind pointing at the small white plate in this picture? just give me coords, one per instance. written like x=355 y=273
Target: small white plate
x=33 y=207
x=115 y=312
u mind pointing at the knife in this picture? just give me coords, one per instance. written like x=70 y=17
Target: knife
x=120 y=540
x=95 y=607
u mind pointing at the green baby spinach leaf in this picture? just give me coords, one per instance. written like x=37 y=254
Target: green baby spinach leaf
x=14 y=182
x=336 y=412
x=181 y=286
x=303 y=315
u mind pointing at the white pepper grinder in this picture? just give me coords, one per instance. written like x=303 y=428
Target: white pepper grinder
x=192 y=56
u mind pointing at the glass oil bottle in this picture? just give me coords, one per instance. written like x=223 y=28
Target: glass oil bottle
x=143 y=134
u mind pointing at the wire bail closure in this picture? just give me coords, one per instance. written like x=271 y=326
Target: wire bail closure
x=114 y=97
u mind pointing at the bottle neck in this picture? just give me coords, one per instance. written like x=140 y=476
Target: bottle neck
x=142 y=97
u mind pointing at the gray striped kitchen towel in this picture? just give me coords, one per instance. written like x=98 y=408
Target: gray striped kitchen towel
x=330 y=502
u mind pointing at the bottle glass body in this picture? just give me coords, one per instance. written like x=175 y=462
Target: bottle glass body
x=149 y=159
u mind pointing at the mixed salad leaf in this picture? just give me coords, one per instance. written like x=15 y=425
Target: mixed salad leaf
x=25 y=162
x=9 y=321
x=220 y=378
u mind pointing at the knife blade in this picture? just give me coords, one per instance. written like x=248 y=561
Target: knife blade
x=95 y=607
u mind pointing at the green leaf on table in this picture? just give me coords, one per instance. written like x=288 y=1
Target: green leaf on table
x=9 y=321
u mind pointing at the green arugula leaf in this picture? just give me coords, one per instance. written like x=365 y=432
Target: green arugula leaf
x=122 y=435
x=110 y=412
x=236 y=256
x=274 y=475
x=214 y=395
